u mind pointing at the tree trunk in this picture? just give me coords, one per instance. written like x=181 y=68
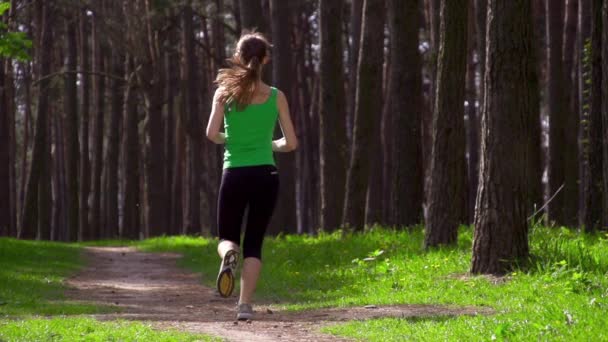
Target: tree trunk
x=368 y=101
x=501 y=226
x=98 y=126
x=472 y=119
x=447 y=187
x=112 y=153
x=594 y=183
x=5 y=161
x=535 y=194
x=406 y=78
x=131 y=152
x=356 y=14
x=605 y=106
x=284 y=219
x=70 y=103
x=57 y=167
x=11 y=109
x=582 y=90
x=252 y=16
x=84 y=231
x=32 y=212
x=332 y=115
x=562 y=164
x=190 y=79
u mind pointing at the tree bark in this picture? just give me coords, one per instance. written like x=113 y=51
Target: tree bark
x=447 y=188
x=5 y=161
x=131 y=152
x=406 y=78
x=562 y=160
x=190 y=82
x=98 y=126
x=501 y=226
x=252 y=16
x=605 y=106
x=84 y=232
x=332 y=115
x=594 y=183
x=32 y=212
x=583 y=74
x=71 y=112
x=112 y=153
x=471 y=117
x=284 y=219
x=368 y=101
x=356 y=14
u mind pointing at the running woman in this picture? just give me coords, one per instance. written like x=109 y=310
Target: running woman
x=249 y=109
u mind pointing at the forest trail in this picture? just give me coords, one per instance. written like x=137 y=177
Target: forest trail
x=150 y=287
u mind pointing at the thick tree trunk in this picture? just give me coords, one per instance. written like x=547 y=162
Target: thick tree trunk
x=5 y=162
x=605 y=106
x=112 y=153
x=356 y=14
x=98 y=127
x=472 y=119
x=32 y=212
x=406 y=78
x=131 y=152
x=594 y=183
x=84 y=231
x=501 y=226
x=190 y=85
x=332 y=115
x=562 y=157
x=252 y=16
x=70 y=103
x=284 y=218
x=58 y=170
x=447 y=188
x=534 y=163
x=368 y=101
x=582 y=90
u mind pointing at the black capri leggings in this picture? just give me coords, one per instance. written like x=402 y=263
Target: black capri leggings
x=253 y=186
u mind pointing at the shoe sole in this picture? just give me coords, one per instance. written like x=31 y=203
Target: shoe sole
x=244 y=317
x=225 y=279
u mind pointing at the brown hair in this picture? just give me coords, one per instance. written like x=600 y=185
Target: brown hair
x=239 y=80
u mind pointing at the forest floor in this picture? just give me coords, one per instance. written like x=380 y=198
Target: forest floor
x=150 y=287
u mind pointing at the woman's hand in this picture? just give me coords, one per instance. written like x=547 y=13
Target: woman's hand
x=289 y=142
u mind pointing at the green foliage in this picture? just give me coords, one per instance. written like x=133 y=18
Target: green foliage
x=13 y=44
x=561 y=295
x=87 y=329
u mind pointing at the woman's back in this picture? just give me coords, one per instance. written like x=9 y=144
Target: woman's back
x=249 y=132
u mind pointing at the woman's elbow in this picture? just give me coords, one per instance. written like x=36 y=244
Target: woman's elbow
x=292 y=145
x=212 y=135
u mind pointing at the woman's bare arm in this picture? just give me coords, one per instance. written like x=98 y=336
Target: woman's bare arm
x=215 y=121
x=289 y=142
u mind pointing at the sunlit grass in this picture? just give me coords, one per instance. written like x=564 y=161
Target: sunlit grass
x=31 y=286
x=87 y=329
x=31 y=275
x=561 y=295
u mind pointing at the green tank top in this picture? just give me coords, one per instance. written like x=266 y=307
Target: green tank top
x=249 y=133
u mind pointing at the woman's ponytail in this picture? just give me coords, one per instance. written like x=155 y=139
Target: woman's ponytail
x=239 y=80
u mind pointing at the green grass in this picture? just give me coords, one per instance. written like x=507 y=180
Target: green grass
x=563 y=295
x=88 y=329
x=31 y=276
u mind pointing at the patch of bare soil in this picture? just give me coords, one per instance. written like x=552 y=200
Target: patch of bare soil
x=150 y=287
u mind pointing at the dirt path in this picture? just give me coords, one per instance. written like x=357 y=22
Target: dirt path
x=150 y=287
